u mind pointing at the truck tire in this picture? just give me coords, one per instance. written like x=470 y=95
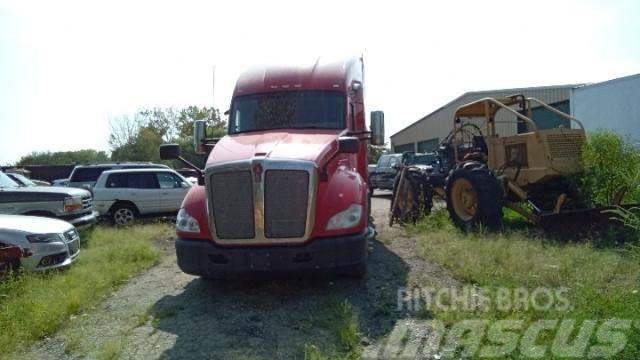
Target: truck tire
x=474 y=199
x=123 y=214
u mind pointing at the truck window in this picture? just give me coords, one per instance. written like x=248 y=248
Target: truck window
x=291 y=109
x=6 y=182
x=133 y=181
x=384 y=161
x=169 y=181
x=87 y=174
x=117 y=181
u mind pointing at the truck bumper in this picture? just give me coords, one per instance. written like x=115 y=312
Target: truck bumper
x=83 y=221
x=204 y=258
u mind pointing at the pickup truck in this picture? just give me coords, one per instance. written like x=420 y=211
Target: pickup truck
x=72 y=205
x=385 y=172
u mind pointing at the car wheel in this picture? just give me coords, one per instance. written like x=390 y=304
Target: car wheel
x=123 y=214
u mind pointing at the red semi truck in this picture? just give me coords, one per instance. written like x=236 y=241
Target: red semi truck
x=287 y=189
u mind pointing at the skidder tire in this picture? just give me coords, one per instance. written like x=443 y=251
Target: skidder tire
x=474 y=199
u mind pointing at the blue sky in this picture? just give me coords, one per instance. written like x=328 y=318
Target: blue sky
x=68 y=67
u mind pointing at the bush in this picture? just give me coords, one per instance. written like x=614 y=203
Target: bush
x=610 y=163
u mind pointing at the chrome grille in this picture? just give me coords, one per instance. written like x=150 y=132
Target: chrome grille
x=87 y=202
x=286 y=194
x=232 y=203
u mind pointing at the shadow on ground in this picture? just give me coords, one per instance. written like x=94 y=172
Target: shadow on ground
x=276 y=318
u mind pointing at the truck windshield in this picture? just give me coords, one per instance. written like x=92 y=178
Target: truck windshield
x=6 y=182
x=291 y=109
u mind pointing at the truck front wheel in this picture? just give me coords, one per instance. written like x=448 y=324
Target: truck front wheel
x=474 y=199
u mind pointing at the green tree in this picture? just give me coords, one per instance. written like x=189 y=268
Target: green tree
x=63 y=157
x=611 y=164
x=375 y=151
x=138 y=139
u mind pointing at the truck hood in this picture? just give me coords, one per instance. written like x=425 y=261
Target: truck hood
x=307 y=144
x=47 y=192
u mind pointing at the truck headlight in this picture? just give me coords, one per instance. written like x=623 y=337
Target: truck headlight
x=43 y=238
x=186 y=222
x=346 y=219
x=72 y=204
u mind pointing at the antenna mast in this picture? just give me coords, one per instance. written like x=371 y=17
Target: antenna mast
x=213 y=94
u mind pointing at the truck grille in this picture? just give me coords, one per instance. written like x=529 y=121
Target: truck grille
x=285 y=203
x=566 y=145
x=232 y=204
x=87 y=202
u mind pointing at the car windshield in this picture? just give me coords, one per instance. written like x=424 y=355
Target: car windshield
x=6 y=182
x=19 y=178
x=292 y=109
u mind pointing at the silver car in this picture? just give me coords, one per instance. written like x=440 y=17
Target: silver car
x=53 y=243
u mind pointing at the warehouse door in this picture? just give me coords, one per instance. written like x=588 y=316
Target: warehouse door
x=403 y=148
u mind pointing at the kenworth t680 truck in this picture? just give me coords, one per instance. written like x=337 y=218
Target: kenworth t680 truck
x=287 y=189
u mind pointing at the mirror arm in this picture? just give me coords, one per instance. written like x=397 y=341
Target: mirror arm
x=368 y=134
x=194 y=167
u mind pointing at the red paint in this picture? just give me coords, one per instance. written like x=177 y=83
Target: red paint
x=346 y=181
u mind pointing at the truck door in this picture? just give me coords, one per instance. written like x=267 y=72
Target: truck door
x=143 y=189
x=173 y=189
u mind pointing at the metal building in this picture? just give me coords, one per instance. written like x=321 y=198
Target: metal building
x=425 y=134
x=611 y=105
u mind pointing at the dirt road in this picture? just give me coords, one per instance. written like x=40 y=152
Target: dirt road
x=165 y=313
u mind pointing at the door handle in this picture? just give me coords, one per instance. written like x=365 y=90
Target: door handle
x=165 y=193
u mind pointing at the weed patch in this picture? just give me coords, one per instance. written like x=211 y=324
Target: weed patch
x=600 y=283
x=340 y=318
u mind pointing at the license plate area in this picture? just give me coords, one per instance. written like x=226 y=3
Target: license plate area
x=260 y=261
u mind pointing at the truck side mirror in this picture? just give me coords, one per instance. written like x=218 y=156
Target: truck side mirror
x=377 y=128
x=169 y=151
x=199 y=135
x=348 y=145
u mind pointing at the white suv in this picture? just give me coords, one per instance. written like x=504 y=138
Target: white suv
x=125 y=195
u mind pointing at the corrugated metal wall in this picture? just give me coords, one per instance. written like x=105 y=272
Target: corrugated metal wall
x=612 y=105
x=439 y=123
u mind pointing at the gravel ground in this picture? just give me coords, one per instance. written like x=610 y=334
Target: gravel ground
x=165 y=313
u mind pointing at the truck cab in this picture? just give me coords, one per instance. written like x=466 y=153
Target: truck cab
x=286 y=190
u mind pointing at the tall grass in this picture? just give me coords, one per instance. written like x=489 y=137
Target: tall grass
x=34 y=305
x=601 y=283
x=340 y=318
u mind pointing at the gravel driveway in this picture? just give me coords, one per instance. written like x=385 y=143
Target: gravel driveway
x=165 y=313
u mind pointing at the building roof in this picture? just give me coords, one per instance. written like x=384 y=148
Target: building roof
x=609 y=82
x=487 y=92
